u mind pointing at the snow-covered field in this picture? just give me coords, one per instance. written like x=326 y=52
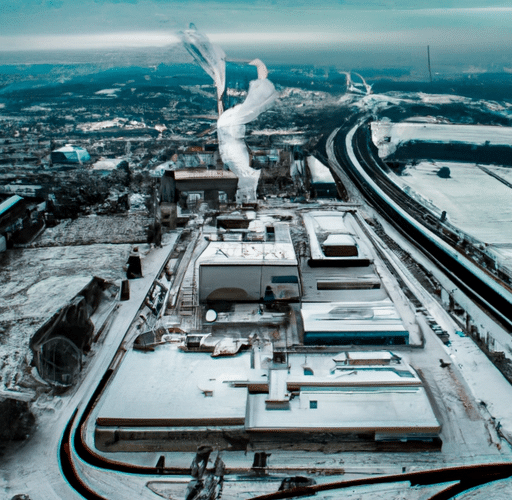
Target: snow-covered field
x=49 y=279
x=477 y=198
x=474 y=201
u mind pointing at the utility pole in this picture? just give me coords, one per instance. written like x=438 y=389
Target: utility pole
x=428 y=56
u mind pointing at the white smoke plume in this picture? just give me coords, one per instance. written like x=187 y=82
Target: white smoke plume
x=231 y=132
x=210 y=57
x=357 y=87
x=231 y=123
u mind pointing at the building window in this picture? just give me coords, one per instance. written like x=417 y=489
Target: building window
x=285 y=279
x=313 y=405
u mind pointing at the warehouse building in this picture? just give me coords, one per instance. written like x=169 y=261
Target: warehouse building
x=250 y=271
x=362 y=397
x=344 y=300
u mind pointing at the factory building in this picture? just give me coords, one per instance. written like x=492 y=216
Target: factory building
x=257 y=353
x=189 y=186
x=359 y=397
x=320 y=180
x=250 y=271
x=344 y=300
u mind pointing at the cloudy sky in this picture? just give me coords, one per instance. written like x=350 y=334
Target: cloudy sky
x=468 y=26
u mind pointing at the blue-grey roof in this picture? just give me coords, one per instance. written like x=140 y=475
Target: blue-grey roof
x=10 y=202
x=70 y=154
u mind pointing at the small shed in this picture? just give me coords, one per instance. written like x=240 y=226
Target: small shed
x=70 y=154
x=340 y=245
x=321 y=181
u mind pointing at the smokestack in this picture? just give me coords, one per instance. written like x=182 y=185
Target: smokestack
x=428 y=56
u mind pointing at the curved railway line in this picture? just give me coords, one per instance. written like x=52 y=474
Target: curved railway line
x=410 y=218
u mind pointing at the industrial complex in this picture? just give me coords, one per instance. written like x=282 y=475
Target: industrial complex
x=200 y=303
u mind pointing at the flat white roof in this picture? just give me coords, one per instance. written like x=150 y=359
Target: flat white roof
x=202 y=173
x=108 y=164
x=167 y=385
x=336 y=224
x=351 y=317
x=339 y=240
x=319 y=172
x=316 y=280
x=382 y=355
x=237 y=253
x=380 y=409
x=280 y=251
x=331 y=222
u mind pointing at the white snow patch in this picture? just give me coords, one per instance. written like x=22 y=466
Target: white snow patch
x=87 y=127
x=32 y=108
x=108 y=92
x=137 y=203
x=269 y=131
x=475 y=202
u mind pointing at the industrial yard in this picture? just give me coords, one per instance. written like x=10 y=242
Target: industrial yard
x=169 y=331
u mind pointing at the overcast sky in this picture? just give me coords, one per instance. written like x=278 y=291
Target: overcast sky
x=30 y=23
x=466 y=26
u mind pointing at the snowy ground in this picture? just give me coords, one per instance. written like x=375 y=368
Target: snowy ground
x=90 y=229
x=36 y=283
x=475 y=202
x=497 y=490
x=476 y=198
x=31 y=467
x=468 y=434
x=482 y=379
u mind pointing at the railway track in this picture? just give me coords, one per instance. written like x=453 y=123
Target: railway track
x=411 y=220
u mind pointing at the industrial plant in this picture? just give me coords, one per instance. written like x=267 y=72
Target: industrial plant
x=275 y=284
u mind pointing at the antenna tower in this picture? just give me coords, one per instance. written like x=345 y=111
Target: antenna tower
x=428 y=56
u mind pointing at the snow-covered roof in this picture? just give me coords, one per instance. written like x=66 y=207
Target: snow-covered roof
x=237 y=253
x=339 y=240
x=68 y=147
x=351 y=317
x=388 y=410
x=72 y=154
x=108 y=164
x=172 y=387
x=337 y=225
x=364 y=355
x=280 y=251
x=9 y=202
x=186 y=174
x=319 y=172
